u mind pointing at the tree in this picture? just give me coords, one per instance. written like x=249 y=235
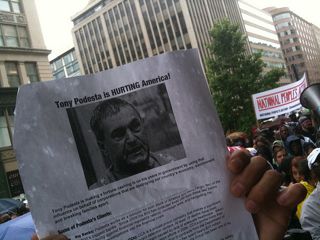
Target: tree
x=234 y=75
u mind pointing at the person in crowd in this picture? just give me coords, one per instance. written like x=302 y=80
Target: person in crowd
x=295 y=149
x=308 y=147
x=295 y=176
x=279 y=154
x=262 y=146
x=258 y=185
x=267 y=133
x=307 y=180
x=295 y=145
x=260 y=141
x=123 y=141
x=285 y=169
x=310 y=215
x=277 y=144
x=284 y=132
x=318 y=138
x=307 y=128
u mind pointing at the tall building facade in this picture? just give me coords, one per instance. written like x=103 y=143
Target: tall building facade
x=316 y=31
x=262 y=37
x=111 y=33
x=23 y=59
x=299 y=44
x=65 y=65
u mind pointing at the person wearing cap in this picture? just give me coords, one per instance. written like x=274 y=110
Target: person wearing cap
x=278 y=153
x=295 y=145
x=307 y=128
x=310 y=216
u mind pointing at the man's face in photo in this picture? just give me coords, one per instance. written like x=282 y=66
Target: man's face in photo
x=125 y=140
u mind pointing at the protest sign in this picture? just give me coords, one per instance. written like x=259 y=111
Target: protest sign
x=280 y=100
x=136 y=152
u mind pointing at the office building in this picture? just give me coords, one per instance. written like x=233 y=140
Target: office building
x=111 y=33
x=23 y=59
x=316 y=31
x=299 y=44
x=65 y=65
x=262 y=37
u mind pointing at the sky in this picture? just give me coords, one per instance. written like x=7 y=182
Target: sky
x=55 y=18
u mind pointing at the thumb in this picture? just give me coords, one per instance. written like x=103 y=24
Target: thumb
x=292 y=195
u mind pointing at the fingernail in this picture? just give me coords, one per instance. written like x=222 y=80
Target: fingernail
x=251 y=206
x=237 y=189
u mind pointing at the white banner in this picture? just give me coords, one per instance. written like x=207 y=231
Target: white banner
x=280 y=100
x=136 y=152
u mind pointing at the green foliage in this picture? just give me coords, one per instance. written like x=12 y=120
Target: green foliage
x=234 y=75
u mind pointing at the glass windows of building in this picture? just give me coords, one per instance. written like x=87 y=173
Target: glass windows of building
x=71 y=64
x=1 y=39
x=6 y=127
x=165 y=24
x=57 y=64
x=295 y=57
x=68 y=59
x=10 y=36
x=4 y=5
x=14 y=36
x=281 y=16
x=32 y=72
x=72 y=69
x=287 y=33
x=12 y=74
x=66 y=65
x=4 y=131
x=81 y=50
x=274 y=65
x=23 y=37
x=15 y=5
x=263 y=42
x=59 y=74
x=267 y=53
x=10 y=6
x=282 y=25
x=290 y=40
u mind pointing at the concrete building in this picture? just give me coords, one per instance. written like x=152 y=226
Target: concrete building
x=23 y=59
x=299 y=44
x=262 y=37
x=111 y=33
x=316 y=31
x=65 y=65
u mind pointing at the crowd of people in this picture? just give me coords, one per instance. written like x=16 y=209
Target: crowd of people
x=292 y=148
